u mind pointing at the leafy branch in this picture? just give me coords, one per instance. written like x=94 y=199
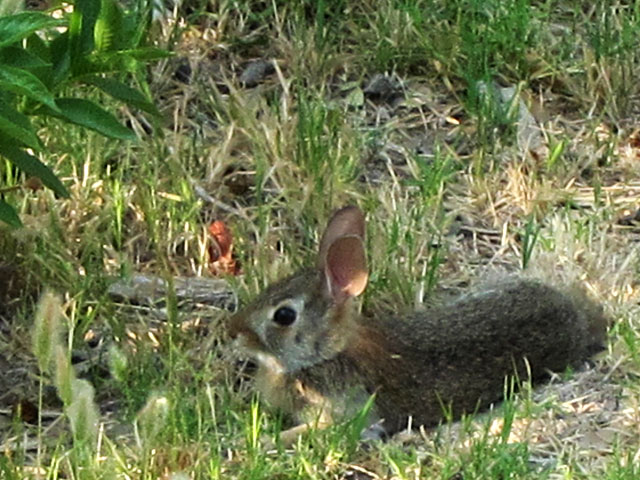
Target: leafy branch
x=96 y=45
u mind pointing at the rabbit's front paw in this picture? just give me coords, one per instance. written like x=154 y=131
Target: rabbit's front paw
x=374 y=432
x=290 y=436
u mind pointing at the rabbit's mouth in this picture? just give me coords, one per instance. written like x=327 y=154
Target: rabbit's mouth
x=248 y=342
x=270 y=362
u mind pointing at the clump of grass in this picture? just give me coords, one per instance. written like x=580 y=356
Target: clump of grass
x=495 y=38
x=529 y=238
x=10 y=7
x=611 y=58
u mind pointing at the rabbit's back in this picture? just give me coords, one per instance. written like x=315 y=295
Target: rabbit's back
x=456 y=357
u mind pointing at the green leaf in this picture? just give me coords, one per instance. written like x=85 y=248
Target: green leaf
x=8 y=214
x=33 y=167
x=16 y=125
x=35 y=45
x=108 y=30
x=24 y=83
x=32 y=58
x=87 y=114
x=135 y=24
x=81 y=26
x=125 y=60
x=147 y=53
x=124 y=93
x=19 y=26
x=60 y=58
x=21 y=58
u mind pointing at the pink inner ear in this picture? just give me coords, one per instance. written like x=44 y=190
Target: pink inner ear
x=346 y=267
x=346 y=222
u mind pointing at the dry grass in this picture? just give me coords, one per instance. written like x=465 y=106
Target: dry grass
x=272 y=161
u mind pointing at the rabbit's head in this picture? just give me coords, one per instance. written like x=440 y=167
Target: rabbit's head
x=307 y=318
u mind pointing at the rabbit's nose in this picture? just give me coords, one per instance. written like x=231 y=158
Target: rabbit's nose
x=240 y=333
x=238 y=327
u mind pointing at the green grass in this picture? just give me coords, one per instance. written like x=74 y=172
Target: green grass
x=449 y=195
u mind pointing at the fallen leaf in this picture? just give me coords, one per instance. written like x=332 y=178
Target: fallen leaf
x=221 y=250
x=33 y=183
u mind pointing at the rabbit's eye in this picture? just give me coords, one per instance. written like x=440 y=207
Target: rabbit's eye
x=284 y=316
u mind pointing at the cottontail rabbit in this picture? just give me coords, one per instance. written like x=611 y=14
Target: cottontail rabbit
x=319 y=360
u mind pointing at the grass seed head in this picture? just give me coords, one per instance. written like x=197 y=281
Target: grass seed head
x=83 y=412
x=153 y=416
x=46 y=329
x=118 y=363
x=64 y=375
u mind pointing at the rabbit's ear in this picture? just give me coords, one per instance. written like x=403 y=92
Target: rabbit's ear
x=342 y=256
x=348 y=221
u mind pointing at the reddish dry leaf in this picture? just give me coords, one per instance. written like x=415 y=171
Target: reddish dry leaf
x=634 y=139
x=33 y=183
x=221 y=250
